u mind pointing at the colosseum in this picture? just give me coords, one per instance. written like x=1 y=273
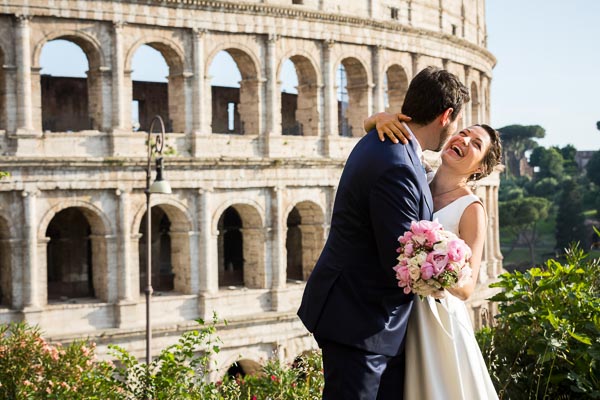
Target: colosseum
x=253 y=170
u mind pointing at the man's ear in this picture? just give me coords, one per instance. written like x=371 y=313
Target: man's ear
x=445 y=117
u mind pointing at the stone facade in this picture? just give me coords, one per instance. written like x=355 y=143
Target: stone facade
x=249 y=211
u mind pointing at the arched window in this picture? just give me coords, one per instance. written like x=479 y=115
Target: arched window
x=69 y=256
x=162 y=268
x=67 y=104
x=231 y=249
x=293 y=245
x=150 y=89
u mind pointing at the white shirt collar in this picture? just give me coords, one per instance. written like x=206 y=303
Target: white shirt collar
x=418 y=148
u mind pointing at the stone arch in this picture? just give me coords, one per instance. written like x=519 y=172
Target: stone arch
x=174 y=113
x=171 y=247
x=475 y=104
x=91 y=95
x=304 y=238
x=397 y=85
x=244 y=235
x=358 y=88
x=306 y=113
x=96 y=244
x=243 y=367
x=247 y=102
x=6 y=261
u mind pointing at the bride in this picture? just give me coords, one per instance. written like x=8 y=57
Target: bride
x=443 y=359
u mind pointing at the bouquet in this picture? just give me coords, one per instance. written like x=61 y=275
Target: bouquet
x=431 y=259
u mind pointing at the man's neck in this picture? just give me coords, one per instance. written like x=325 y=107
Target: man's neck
x=421 y=133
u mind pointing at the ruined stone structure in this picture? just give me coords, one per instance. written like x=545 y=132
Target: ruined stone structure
x=250 y=206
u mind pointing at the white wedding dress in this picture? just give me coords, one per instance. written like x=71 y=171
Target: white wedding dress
x=443 y=359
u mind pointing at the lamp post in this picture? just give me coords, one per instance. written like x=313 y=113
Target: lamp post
x=158 y=186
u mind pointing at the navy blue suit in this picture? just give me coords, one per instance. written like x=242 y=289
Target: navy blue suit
x=352 y=298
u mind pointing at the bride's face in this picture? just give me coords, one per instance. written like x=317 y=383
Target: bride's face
x=465 y=150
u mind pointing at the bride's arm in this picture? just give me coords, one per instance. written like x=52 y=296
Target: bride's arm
x=389 y=125
x=472 y=229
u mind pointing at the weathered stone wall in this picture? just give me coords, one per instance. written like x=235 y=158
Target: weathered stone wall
x=264 y=175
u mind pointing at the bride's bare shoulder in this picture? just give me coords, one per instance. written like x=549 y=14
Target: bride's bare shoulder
x=474 y=218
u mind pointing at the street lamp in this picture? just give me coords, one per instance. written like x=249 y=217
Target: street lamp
x=158 y=186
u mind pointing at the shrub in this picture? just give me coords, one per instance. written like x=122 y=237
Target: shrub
x=303 y=380
x=546 y=344
x=30 y=368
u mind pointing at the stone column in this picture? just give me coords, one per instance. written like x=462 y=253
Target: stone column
x=378 y=81
x=278 y=239
x=10 y=73
x=467 y=109
x=125 y=287
x=272 y=111
x=200 y=126
x=415 y=58
x=207 y=259
x=23 y=60
x=118 y=80
x=31 y=273
x=330 y=128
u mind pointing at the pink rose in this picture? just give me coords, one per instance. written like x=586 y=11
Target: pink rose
x=403 y=274
x=421 y=227
x=457 y=249
x=406 y=237
x=439 y=260
x=409 y=250
x=426 y=271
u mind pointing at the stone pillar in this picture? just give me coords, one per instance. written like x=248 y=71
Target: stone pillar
x=208 y=274
x=272 y=111
x=378 y=81
x=278 y=239
x=415 y=58
x=10 y=73
x=23 y=61
x=200 y=115
x=30 y=289
x=330 y=128
x=125 y=287
x=118 y=80
x=467 y=109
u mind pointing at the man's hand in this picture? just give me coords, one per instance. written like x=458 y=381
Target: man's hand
x=389 y=125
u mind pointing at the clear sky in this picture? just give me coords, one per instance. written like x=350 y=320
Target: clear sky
x=548 y=70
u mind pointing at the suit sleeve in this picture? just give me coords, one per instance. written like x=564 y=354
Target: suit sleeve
x=393 y=203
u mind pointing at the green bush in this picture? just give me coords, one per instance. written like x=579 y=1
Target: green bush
x=546 y=344
x=303 y=380
x=30 y=368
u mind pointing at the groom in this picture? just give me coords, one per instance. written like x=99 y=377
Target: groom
x=352 y=302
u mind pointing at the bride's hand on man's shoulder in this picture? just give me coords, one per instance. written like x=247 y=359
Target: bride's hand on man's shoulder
x=390 y=125
x=439 y=294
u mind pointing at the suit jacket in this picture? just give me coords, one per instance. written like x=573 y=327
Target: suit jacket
x=352 y=296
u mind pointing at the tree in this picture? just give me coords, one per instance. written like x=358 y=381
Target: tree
x=568 y=153
x=570 y=220
x=549 y=161
x=593 y=168
x=521 y=216
x=516 y=140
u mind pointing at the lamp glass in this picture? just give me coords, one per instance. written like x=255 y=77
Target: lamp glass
x=160 y=186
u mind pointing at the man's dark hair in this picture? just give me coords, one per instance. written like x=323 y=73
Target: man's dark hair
x=431 y=92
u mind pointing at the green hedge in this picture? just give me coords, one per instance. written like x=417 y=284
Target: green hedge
x=546 y=342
